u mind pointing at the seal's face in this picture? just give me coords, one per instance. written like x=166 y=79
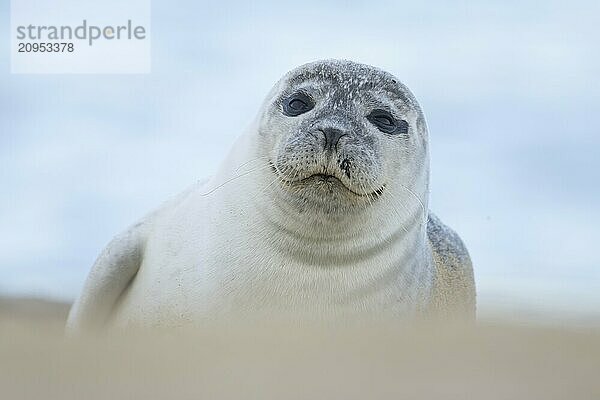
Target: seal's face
x=339 y=134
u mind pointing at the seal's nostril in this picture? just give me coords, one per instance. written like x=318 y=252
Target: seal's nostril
x=332 y=137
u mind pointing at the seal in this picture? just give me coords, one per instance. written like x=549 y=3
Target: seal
x=320 y=209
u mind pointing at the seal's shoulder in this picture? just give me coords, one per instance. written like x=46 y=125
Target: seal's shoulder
x=454 y=282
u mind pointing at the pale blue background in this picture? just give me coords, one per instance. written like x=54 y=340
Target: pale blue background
x=511 y=91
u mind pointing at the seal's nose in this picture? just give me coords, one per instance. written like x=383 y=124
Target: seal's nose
x=332 y=137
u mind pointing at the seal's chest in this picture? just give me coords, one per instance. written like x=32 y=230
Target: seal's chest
x=256 y=282
x=202 y=277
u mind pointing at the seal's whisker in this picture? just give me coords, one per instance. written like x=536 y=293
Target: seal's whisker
x=393 y=209
x=264 y=189
x=278 y=177
x=250 y=161
x=406 y=209
x=365 y=189
x=416 y=198
x=235 y=178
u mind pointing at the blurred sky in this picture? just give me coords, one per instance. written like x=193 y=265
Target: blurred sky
x=510 y=89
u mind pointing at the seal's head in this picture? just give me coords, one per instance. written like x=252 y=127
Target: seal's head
x=340 y=136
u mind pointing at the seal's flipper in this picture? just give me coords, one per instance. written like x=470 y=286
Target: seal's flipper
x=113 y=271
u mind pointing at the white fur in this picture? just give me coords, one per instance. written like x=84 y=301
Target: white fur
x=233 y=246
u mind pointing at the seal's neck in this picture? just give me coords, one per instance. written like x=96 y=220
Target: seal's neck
x=338 y=239
x=374 y=258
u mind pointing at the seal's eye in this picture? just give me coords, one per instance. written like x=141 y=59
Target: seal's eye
x=297 y=104
x=385 y=122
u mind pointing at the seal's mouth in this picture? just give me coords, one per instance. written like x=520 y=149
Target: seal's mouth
x=323 y=178
x=328 y=180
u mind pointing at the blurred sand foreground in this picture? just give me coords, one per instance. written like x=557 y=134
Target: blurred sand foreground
x=488 y=361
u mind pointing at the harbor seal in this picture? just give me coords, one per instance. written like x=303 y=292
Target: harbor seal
x=320 y=209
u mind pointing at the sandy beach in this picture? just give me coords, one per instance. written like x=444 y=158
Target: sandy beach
x=486 y=361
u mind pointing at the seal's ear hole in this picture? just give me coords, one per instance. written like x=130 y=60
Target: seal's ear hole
x=385 y=122
x=298 y=103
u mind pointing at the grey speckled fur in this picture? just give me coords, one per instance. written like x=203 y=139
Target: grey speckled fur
x=454 y=287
